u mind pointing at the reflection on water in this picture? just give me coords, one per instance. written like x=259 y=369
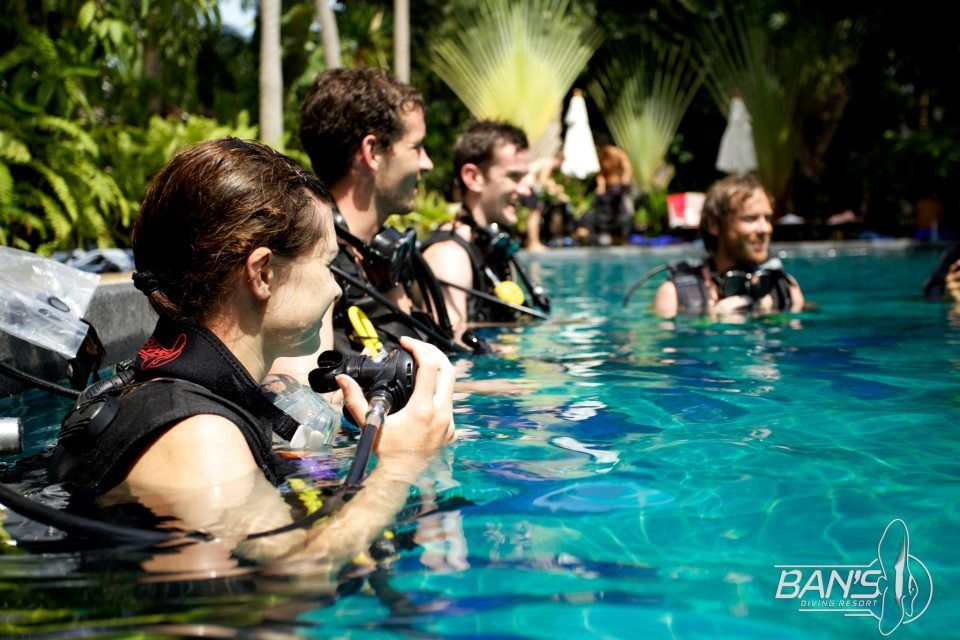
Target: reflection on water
x=631 y=474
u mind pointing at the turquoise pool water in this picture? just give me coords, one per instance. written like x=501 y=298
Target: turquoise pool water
x=646 y=487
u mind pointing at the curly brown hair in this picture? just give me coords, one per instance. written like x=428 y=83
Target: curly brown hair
x=726 y=196
x=344 y=106
x=204 y=213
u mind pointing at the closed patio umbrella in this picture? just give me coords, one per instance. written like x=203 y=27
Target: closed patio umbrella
x=737 y=154
x=579 y=152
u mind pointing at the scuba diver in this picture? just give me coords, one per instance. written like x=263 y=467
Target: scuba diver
x=233 y=244
x=475 y=253
x=738 y=275
x=364 y=133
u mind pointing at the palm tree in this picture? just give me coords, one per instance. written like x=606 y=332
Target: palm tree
x=742 y=58
x=515 y=61
x=643 y=99
x=271 y=75
x=329 y=34
x=401 y=39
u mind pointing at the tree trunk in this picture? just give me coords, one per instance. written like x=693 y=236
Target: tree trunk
x=401 y=39
x=271 y=75
x=329 y=34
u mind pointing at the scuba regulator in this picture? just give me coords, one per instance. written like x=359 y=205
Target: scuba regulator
x=389 y=257
x=389 y=374
x=388 y=379
x=755 y=284
x=499 y=248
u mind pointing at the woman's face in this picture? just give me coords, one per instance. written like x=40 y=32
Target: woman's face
x=305 y=290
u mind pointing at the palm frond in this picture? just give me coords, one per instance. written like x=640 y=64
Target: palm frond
x=13 y=150
x=83 y=141
x=643 y=99
x=57 y=220
x=515 y=61
x=60 y=188
x=743 y=59
x=14 y=57
x=6 y=185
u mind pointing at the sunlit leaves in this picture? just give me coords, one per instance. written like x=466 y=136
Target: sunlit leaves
x=515 y=61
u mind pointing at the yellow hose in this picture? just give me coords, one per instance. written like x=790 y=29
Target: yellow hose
x=364 y=330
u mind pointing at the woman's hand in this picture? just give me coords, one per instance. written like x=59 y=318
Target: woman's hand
x=426 y=422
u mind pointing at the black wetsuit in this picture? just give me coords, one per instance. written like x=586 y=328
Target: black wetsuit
x=183 y=370
x=390 y=324
x=692 y=295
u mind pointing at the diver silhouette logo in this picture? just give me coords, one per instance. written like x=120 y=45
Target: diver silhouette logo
x=153 y=354
x=895 y=589
x=898 y=584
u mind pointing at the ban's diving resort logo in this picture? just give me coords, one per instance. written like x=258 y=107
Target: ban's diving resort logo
x=895 y=588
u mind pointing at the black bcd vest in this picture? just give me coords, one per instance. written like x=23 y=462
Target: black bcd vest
x=389 y=324
x=478 y=309
x=183 y=370
x=692 y=295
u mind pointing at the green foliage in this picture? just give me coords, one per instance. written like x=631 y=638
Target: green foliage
x=644 y=98
x=366 y=35
x=744 y=58
x=430 y=211
x=578 y=192
x=515 y=61
x=53 y=192
x=905 y=166
x=783 y=77
x=72 y=164
x=64 y=186
x=650 y=212
x=133 y=155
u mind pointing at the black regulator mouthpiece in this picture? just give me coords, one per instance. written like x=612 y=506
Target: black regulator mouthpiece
x=389 y=374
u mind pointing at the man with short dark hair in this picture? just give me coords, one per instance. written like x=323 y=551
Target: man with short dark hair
x=364 y=134
x=474 y=254
x=738 y=276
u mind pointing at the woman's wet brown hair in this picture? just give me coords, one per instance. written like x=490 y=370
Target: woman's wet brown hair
x=204 y=213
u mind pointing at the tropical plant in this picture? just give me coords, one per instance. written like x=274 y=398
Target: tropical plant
x=430 y=211
x=132 y=155
x=146 y=52
x=643 y=99
x=366 y=39
x=742 y=58
x=515 y=61
x=72 y=166
x=53 y=192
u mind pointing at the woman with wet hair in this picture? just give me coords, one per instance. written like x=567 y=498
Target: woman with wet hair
x=233 y=244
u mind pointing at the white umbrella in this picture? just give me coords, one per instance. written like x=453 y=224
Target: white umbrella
x=579 y=152
x=737 y=154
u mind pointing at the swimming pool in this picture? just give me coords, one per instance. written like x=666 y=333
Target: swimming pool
x=647 y=488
